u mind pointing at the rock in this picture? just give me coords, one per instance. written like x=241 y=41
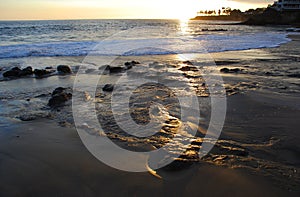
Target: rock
x=49 y=67
x=17 y=72
x=296 y=75
x=129 y=65
x=188 y=62
x=33 y=116
x=64 y=69
x=235 y=70
x=26 y=71
x=14 y=72
x=115 y=69
x=59 y=97
x=188 y=68
x=268 y=73
x=58 y=100
x=58 y=90
x=224 y=70
x=108 y=88
x=214 y=30
x=227 y=70
x=41 y=72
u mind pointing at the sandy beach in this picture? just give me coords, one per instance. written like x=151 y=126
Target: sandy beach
x=257 y=154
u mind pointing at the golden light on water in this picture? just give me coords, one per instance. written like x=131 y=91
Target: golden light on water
x=184 y=25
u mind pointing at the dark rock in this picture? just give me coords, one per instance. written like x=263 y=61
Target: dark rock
x=14 y=72
x=235 y=70
x=132 y=63
x=32 y=116
x=296 y=75
x=188 y=62
x=64 y=69
x=115 y=69
x=188 y=68
x=129 y=65
x=191 y=76
x=59 y=97
x=214 y=30
x=273 y=17
x=108 y=88
x=41 y=72
x=26 y=71
x=49 y=67
x=15 y=69
x=225 y=70
x=58 y=90
x=17 y=72
x=59 y=100
x=268 y=73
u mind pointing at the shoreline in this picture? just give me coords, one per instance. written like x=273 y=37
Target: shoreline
x=40 y=157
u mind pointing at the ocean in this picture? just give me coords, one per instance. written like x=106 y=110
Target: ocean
x=130 y=37
x=162 y=94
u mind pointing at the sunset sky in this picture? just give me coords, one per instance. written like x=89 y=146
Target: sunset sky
x=117 y=9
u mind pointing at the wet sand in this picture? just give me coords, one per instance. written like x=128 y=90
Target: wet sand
x=41 y=158
x=54 y=162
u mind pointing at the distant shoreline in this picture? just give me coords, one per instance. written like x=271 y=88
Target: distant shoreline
x=267 y=16
x=220 y=18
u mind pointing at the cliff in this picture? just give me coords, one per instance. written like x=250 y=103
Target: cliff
x=273 y=17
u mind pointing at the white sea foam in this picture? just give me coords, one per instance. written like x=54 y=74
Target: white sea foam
x=148 y=46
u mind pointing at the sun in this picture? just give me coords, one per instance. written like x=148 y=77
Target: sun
x=178 y=9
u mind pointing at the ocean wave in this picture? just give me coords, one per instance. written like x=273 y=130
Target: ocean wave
x=151 y=46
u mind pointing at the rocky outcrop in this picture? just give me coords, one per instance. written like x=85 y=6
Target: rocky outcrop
x=273 y=17
x=119 y=69
x=189 y=68
x=59 y=97
x=129 y=65
x=233 y=70
x=115 y=69
x=108 y=88
x=64 y=69
x=41 y=72
x=17 y=72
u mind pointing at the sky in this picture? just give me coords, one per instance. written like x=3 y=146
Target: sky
x=115 y=9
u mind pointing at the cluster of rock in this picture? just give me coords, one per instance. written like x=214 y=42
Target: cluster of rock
x=119 y=69
x=228 y=70
x=16 y=72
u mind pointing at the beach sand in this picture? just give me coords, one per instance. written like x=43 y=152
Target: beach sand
x=41 y=158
